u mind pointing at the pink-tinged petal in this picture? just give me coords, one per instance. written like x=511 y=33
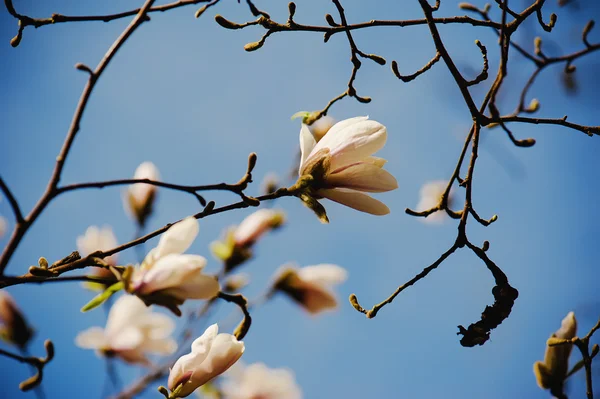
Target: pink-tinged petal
x=307 y=143
x=325 y=274
x=356 y=200
x=352 y=142
x=169 y=271
x=198 y=286
x=364 y=177
x=92 y=338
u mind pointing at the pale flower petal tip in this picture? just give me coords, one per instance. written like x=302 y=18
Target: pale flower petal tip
x=139 y=197
x=98 y=239
x=342 y=166
x=430 y=195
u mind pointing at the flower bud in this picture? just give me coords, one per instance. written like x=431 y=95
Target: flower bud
x=259 y=381
x=551 y=373
x=310 y=286
x=211 y=355
x=13 y=326
x=141 y=196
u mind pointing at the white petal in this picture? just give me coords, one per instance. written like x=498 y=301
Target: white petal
x=321 y=126
x=178 y=238
x=225 y=351
x=307 y=143
x=363 y=177
x=197 y=286
x=356 y=200
x=352 y=141
x=169 y=271
x=203 y=343
x=141 y=192
x=123 y=313
x=158 y=326
x=325 y=274
x=568 y=327
x=92 y=338
x=128 y=338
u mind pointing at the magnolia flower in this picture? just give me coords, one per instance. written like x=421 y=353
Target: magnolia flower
x=96 y=239
x=167 y=276
x=259 y=381
x=140 y=196
x=342 y=166
x=236 y=282
x=551 y=373
x=236 y=247
x=430 y=197
x=310 y=286
x=13 y=326
x=269 y=184
x=3 y=226
x=132 y=332
x=212 y=354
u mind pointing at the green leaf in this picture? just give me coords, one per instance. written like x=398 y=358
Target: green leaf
x=101 y=298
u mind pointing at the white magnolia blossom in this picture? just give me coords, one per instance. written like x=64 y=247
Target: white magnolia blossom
x=167 y=271
x=257 y=224
x=3 y=226
x=321 y=126
x=140 y=196
x=430 y=194
x=211 y=355
x=259 y=381
x=98 y=239
x=350 y=169
x=311 y=286
x=551 y=373
x=132 y=332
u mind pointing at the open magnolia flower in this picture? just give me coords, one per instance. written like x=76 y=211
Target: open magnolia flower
x=341 y=165
x=140 y=196
x=132 y=332
x=310 y=286
x=212 y=354
x=551 y=373
x=167 y=276
x=431 y=194
x=259 y=381
x=236 y=248
x=13 y=325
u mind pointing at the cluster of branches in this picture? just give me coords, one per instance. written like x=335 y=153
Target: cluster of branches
x=486 y=114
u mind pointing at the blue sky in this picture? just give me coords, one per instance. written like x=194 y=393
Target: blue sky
x=184 y=94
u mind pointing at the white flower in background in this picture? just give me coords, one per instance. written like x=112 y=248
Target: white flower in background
x=3 y=226
x=140 y=196
x=236 y=282
x=259 y=381
x=98 y=239
x=13 y=325
x=211 y=355
x=430 y=194
x=132 y=332
x=168 y=274
x=311 y=286
x=257 y=224
x=343 y=167
x=321 y=126
x=551 y=373
x=269 y=184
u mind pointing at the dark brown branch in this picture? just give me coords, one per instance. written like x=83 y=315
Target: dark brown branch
x=14 y=204
x=426 y=67
x=483 y=75
x=373 y=312
x=589 y=130
x=51 y=188
x=95 y=259
x=37 y=362
x=24 y=20
x=242 y=303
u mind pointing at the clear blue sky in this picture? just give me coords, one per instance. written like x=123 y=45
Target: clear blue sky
x=184 y=94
